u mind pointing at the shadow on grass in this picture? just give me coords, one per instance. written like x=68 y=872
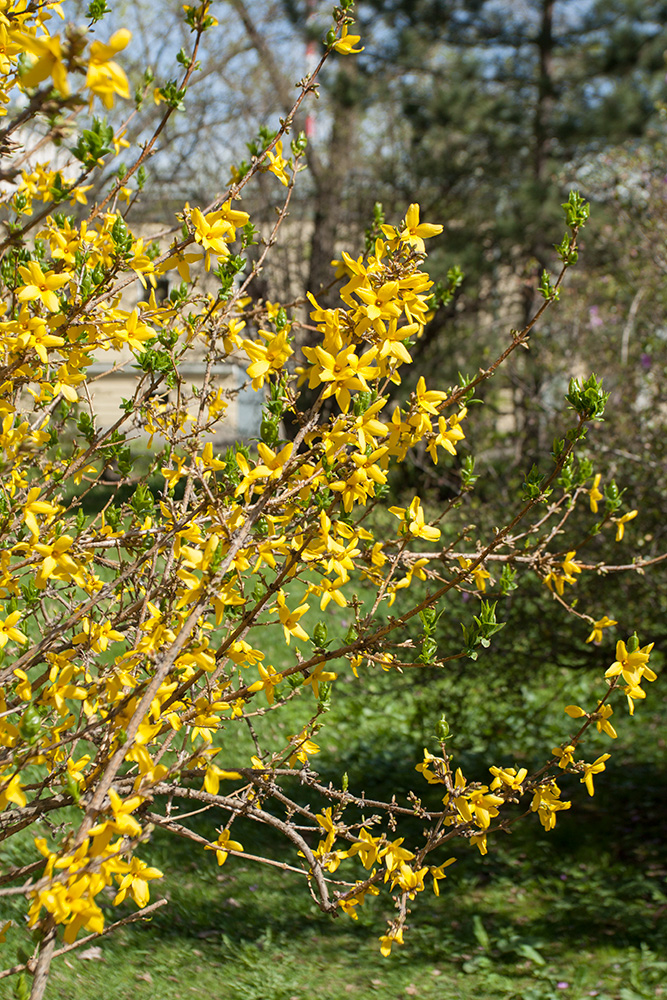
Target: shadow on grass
x=599 y=877
x=581 y=905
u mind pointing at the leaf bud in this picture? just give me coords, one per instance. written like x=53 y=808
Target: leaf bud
x=72 y=786
x=324 y=701
x=30 y=724
x=442 y=728
x=320 y=633
x=269 y=431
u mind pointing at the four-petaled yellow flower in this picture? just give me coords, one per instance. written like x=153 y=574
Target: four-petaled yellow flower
x=41 y=286
x=479 y=574
x=290 y=619
x=277 y=163
x=135 y=882
x=601 y=717
x=602 y=722
x=387 y=940
x=123 y=822
x=632 y=665
x=105 y=77
x=448 y=435
x=568 y=569
x=270 y=678
x=547 y=802
x=304 y=747
x=508 y=777
x=9 y=50
x=267 y=358
x=621 y=523
x=565 y=755
x=604 y=622
x=223 y=846
x=33 y=507
x=216 y=229
x=341 y=372
x=9 y=631
x=428 y=400
x=413 y=521
x=595 y=768
x=346 y=42
x=595 y=494
x=367 y=847
x=23 y=688
x=11 y=791
x=439 y=873
x=48 y=62
x=415 y=232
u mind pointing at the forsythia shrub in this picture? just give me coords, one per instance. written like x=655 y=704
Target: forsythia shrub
x=131 y=637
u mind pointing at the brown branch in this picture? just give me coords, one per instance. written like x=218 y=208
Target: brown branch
x=44 y=956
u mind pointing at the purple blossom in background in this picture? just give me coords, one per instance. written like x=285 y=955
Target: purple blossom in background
x=645 y=361
x=594 y=318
